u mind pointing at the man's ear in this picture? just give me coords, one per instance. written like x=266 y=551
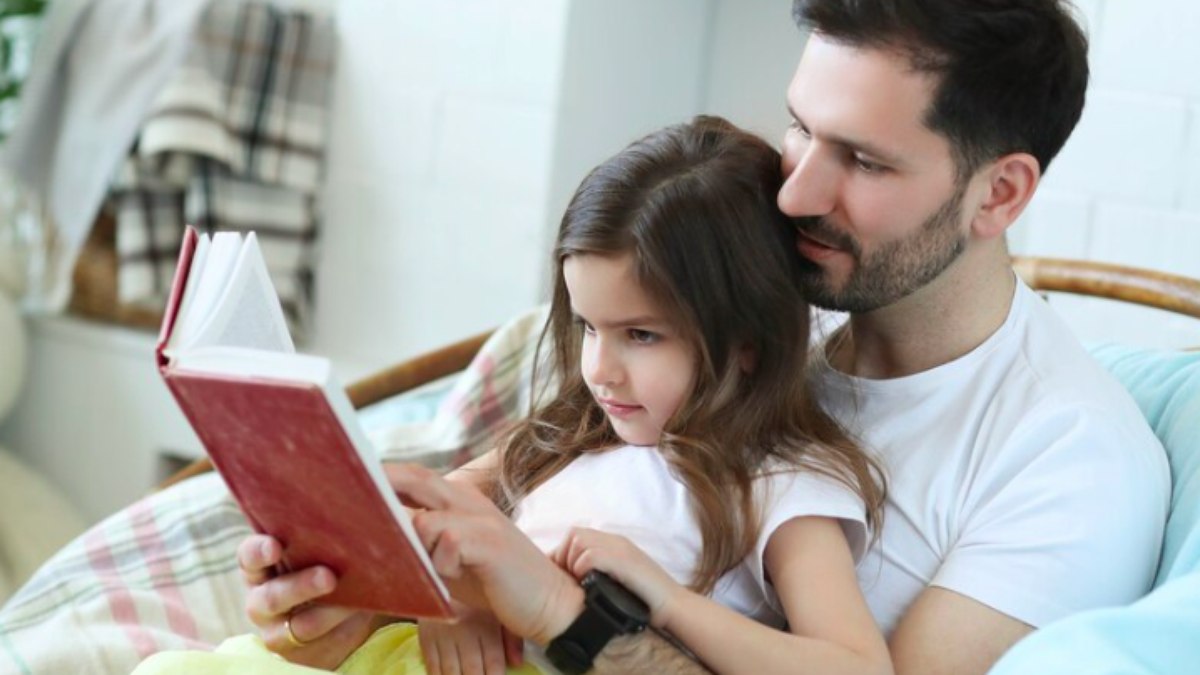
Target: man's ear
x=1011 y=181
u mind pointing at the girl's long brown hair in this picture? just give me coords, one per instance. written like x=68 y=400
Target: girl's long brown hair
x=694 y=205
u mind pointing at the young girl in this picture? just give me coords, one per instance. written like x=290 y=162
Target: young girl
x=681 y=451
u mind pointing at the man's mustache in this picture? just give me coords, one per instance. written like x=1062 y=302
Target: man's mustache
x=818 y=228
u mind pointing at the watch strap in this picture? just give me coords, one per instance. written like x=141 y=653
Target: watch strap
x=574 y=651
x=609 y=610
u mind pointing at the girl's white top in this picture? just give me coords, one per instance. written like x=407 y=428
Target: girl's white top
x=632 y=491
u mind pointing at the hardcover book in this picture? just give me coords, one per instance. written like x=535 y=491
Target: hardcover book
x=283 y=435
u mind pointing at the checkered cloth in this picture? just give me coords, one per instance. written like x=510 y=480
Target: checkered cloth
x=235 y=141
x=161 y=574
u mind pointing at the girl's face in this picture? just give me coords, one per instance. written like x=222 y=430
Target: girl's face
x=638 y=368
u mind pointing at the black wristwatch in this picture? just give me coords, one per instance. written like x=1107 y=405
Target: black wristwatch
x=609 y=609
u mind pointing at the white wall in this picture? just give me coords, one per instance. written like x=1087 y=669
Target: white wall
x=442 y=130
x=1126 y=188
x=754 y=50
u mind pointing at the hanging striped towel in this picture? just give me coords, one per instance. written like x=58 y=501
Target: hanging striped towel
x=235 y=141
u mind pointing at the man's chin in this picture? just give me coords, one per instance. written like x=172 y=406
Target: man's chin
x=821 y=294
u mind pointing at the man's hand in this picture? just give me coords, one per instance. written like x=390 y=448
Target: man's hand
x=476 y=643
x=321 y=636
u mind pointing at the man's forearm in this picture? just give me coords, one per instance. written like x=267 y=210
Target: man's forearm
x=645 y=652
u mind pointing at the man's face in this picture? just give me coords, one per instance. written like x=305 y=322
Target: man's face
x=882 y=211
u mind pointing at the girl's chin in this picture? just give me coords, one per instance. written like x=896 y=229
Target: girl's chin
x=637 y=436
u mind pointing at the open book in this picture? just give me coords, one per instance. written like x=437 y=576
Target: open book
x=283 y=435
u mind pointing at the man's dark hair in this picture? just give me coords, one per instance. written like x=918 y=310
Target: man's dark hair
x=1012 y=73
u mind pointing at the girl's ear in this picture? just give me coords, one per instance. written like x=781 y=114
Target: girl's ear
x=1011 y=181
x=747 y=359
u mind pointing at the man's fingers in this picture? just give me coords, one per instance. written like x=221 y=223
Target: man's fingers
x=447 y=657
x=267 y=602
x=309 y=625
x=257 y=556
x=492 y=653
x=514 y=648
x=470 y=656
x=427 y=637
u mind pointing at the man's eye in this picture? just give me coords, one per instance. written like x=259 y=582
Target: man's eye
x=867 y=166
x=642 y=337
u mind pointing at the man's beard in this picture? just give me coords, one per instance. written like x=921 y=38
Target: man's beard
x=893 y=271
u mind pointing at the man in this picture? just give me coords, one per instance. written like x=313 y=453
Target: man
x=919 y=132
x=1024 y=484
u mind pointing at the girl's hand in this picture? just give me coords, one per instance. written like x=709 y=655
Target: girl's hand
x=484 y=559
x=477 y=643
x=320 y=636
x=586 y=549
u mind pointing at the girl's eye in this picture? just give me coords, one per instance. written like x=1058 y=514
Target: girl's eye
x=643 y=337
x=587 y=327
x=798 y=128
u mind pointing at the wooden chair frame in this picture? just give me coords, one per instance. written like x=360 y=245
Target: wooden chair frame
x=1170 y=292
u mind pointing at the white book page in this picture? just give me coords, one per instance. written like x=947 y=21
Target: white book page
x=199 y=258
x=210 y=278
x=254 y=363
x=248 y=313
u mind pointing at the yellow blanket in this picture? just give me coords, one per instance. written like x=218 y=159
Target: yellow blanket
x=393 y=649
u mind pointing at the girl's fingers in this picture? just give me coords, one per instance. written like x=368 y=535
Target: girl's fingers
x=444 y=546
x=420 y=487
x=585 y=562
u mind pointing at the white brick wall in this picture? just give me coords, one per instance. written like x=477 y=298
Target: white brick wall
x=440 y=150
x=1126 y=188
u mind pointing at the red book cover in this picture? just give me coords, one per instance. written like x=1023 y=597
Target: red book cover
x=296 y=462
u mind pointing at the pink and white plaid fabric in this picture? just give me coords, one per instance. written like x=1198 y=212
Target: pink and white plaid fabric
x=161 y=573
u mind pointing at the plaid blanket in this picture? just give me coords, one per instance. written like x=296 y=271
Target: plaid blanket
x=161 y=573
x=234 y=141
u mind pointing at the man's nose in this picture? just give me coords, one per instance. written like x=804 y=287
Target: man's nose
x=811 y=183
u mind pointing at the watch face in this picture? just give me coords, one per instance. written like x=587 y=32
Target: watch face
x=603 y=589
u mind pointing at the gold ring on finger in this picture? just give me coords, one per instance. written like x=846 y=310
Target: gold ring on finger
x=291 y=635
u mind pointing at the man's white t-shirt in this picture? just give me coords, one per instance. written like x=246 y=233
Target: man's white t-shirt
x=632 y=491
x=1021 y=475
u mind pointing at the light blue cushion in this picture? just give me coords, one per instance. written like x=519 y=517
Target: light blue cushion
x=1166 y=385
x=1157 y=635
x=1161 y=632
